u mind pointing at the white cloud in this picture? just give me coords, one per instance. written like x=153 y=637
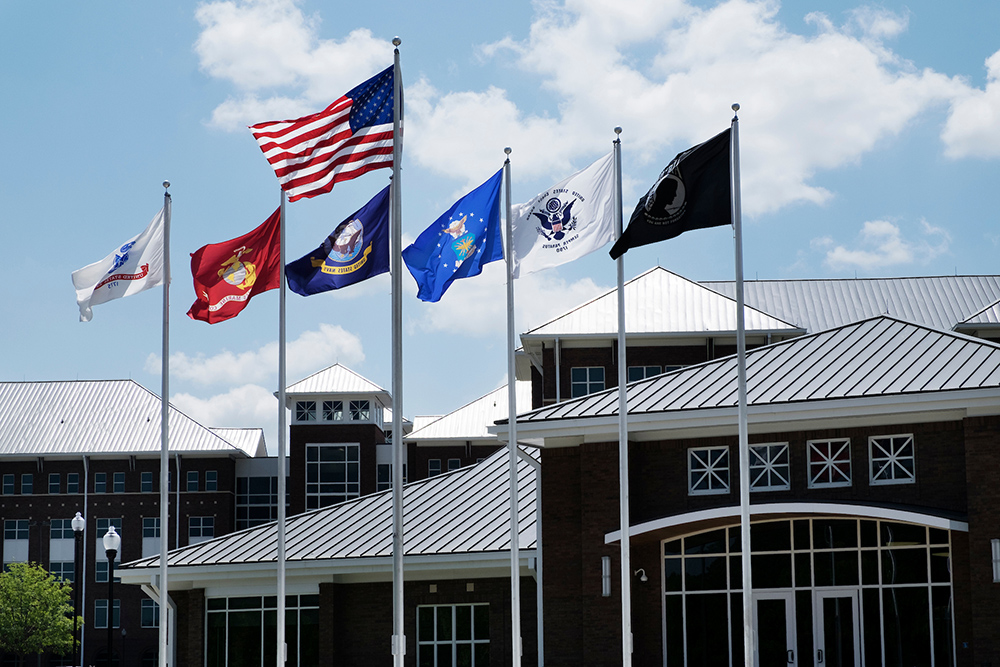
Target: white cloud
x=246 y=406
x=973 y=126
x=478 y=306
x=881 y=245
x=309 y=352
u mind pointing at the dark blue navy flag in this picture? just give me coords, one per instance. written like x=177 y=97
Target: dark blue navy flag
x=356 y=250
x=458 y=243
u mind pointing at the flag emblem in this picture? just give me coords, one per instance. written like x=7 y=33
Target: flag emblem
x=238 y=273
x=556 y=218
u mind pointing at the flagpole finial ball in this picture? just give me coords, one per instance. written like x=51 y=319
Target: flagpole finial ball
x=396 y=41
x=166 y=184
x=507 y=150
x=618 y=130
x=736 y=107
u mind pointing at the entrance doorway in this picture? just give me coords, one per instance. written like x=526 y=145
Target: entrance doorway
x=837 y=628
x=774 y=618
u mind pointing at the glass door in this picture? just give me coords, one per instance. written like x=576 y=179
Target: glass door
x=837 y=627
x=774 y=618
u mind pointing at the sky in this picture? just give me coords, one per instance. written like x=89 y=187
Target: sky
x=870 y=147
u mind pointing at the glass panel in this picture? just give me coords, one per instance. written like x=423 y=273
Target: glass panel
x=707 y=638
x=869 y=567
x=904 y=566
x=675 y=629
x=482 y=655
x=771 y=571
x=444 y=655
x=712 y=542
x=801 y=528
x=941 y=609
x=869 y=534
x=835 y=533
x=463 y=623
x=872 y=627
x=244 y=642
x=425 y=624
x=309 y=638
x=907 y=627
x=803 y=571
x=463 y=655
x=244 y=603
x=705 y=574
x=481 y=621
x=771 y=536
x=270 y=639
x=772 y=632
x=902 y=534
x=836 y=568
x=838 y=631
x=940 y=565
x=736 y=628
x=938 y=536
x=671 y=548
x=216 y=603
x=443 y=623
x=804 y=625
x=215 y=641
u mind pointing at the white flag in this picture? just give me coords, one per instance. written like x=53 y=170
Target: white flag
x=571 y=219
x=134 y=266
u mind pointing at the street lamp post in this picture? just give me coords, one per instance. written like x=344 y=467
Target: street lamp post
x=112 y=542
x=79 y=525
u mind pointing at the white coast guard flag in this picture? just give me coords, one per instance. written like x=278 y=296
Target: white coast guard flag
x=571 y=219
x=132 y=267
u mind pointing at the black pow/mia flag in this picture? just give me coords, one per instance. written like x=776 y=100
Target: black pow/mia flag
x=691 y=193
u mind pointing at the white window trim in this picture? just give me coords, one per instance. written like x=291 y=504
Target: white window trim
x=844 y=442
x=709 y=471
x=768 y=466
x=890 y=460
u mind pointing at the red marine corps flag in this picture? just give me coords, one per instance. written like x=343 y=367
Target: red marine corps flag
x=228 y=274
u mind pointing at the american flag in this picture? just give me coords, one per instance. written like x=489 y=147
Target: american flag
x=350 y=137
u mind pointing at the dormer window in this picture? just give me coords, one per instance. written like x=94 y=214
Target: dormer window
x=305 y=411
x=333 y=411
x=360 y=411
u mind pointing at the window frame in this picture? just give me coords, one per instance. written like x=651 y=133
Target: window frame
x=193 y=483
x=433 y=644
x=118 y=482
x=319 y=489
x=332 y=410
x=829 y=463
x=708 y=469
x=27 y=481
x=589 y=384
x=149 y=614
x=892 y=461
x=72 y=483
x=360 y=410
x=100 y=482
x=101 y=608
x=643 y=372
x=211 y=480
x=305 y=411
x=204 y=524
x=768 y=466
x=8 y=484
x=433 y=467
x=146 y=482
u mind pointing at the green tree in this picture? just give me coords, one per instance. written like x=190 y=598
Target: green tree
x=35 y=611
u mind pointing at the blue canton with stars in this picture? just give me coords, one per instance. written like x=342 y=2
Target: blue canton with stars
x=372 y=101
x=458 y=243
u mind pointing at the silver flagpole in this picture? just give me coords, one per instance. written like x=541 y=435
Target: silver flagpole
x=282 y=647
x=626 y=569
x=749 y=644
x=398 y=458
x=165 y=431
x=515 y=567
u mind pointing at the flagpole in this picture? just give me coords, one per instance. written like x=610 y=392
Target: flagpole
x=282 y=651
x=165 y=430
x=398 y=459
x=515 y=569
x=749 y=645
x=623 y=512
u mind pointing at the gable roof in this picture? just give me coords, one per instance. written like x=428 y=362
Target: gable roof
x=250 y=440
x=472 y=421
x=938 y=301
x=660 y=302
x=878 y=357
x=338 y=379
x=96 y=417
x=462 y=512
x=987 y=318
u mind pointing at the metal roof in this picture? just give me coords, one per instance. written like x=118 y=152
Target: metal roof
x=472 y=421
x=940 y=302
x=338 y=379
x=660 y=302
x=461 y=512
x=987 y=318
x=876 y=357
x=95 y=417
x=250 y=440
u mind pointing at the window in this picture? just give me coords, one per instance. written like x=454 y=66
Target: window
x=454 y=464
x=15 y=529
x=769 y=467
x=72 y=482
x=146 y=482
x=8 y=485
x=61 y=529
x=642 y=372
x=333 y=411
x=55 y=483
x=192 y=480
x=62 y=569
x=119 y=482
x=708 y=470
x=829 y=462
x=26 y=484
x=240 y=630
x=101 y=614
x=99 y=553
x=332 y=474
x=360 y=411
x=256 y=501
x=453 y=635
x=433 y=467
x=892 y=459
x=101 y=568
x=200 y=528
x=383 y=473
x=586 y=380
x=211 y=480
x=150 y=617
x=150 y=527
x=305 y=411
x=100 y=482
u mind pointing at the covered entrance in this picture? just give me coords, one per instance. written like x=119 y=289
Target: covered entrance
x=827 y=592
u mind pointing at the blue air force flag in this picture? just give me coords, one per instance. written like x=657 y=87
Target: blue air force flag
x=458 y=243
x=356 y=250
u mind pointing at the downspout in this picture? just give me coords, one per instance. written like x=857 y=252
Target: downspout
x=557 y=352
x=83 y=589
x=177 y=512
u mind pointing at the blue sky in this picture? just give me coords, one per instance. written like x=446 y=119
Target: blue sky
x=870 y=142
